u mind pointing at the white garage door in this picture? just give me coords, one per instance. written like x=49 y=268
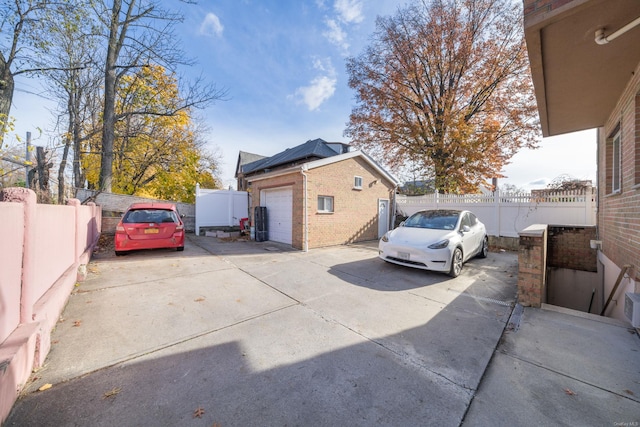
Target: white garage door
x=279 y=203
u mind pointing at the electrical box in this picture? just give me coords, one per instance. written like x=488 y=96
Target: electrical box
x=260 y=216
x=632 y=308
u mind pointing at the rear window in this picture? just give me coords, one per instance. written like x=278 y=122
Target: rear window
x=150 y=215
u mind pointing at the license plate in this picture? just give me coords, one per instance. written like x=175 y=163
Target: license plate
x=404 y=255
x=151 y=231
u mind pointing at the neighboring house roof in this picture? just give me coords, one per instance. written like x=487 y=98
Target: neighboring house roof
x=245 y=158
x=313 y=149
x=327 y=161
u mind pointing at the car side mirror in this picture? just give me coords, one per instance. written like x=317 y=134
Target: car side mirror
x=466 y=229
x=401 y=224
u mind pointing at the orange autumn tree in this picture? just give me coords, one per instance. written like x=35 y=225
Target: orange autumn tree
x=157 y=152
x=445 y=85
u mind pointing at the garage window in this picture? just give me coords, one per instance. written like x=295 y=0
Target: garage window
x=357 y=183
x=325 y=204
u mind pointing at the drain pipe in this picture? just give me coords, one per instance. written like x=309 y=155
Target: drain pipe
x=392 y=222
x=602 y=39
x=303 y=169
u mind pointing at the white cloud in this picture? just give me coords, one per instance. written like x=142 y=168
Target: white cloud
x=335 y=34
x=321 y=88
x=349 y=10
x=211 y=26
x=324 y=65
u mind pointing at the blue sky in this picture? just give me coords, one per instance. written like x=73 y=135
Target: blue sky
x=283 y=64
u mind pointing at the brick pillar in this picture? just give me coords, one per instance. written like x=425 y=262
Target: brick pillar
x=532 y=266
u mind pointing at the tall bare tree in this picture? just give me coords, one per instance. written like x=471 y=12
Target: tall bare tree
x=18 y=19
x=445 y=84
x=73 y=80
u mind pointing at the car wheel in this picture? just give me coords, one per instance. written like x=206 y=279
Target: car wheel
x=456 y=263
x=484 y=250
x=180 y=248
x=120 y=253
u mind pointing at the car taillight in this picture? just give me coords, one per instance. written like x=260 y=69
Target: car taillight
x=120 y=229
x=179 y=227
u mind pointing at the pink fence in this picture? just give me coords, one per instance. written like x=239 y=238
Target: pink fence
x=44 y=250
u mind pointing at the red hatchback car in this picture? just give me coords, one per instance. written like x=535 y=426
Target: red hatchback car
x=149 y=226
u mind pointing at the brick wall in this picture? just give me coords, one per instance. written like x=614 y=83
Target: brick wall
x=355 y=216
x=114 y=205
x=532 y=255
x=294 y=180
x=570 y=247
x=619 y=213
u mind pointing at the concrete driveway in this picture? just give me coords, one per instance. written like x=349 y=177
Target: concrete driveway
x=247 y=333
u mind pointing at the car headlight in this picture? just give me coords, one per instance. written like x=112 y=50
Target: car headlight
x=385 y=238
x=440 y=245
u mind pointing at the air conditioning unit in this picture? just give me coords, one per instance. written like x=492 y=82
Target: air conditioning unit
x=632 y=308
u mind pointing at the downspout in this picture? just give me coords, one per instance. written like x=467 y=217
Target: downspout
x=393 y=217
x=602 y=39
x=598 y=184
x=303 y=169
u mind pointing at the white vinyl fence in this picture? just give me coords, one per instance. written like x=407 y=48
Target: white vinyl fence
x=505 y=215
x=220 y=208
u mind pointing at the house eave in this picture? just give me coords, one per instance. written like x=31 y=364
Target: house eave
x=578 y=81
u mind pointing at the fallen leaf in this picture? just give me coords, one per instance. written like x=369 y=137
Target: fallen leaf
x=45 y=387
x=198 y=413
x=199 y=299
x=569 y=392
x=629 y=392
x=77 y=323
x=111 y=393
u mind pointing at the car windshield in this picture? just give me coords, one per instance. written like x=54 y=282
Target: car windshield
x=437 y=220
x=149 y=215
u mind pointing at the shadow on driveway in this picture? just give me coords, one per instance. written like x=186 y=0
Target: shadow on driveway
x=290 y=367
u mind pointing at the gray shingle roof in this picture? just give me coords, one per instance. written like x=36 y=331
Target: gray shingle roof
x=313 y=149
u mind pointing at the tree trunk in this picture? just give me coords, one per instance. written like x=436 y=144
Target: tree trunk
x=6 y=95
x=75 y=127
x=108 y=118
x=63 y=166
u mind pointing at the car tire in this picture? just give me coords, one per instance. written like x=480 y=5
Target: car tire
x=180 y=248
x=120 y=253
x=456 y=263
x=484 y=250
